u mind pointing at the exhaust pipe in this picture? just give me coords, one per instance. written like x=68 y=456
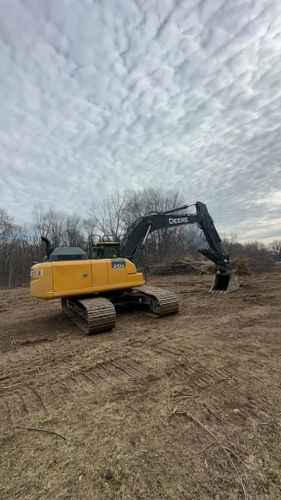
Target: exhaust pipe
x=48 y=248
x=225 y=282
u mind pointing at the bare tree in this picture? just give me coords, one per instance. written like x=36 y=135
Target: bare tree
x=49 y=223
x=110 y=216
x=6 y=226
x=73 y=231
x=17 y=251
x=276 y=249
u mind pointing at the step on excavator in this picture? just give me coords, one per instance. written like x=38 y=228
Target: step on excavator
x=93 y=287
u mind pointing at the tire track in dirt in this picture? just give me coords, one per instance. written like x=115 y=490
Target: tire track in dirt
x=43 y=375
x=20 y=398
x=24 y=390
x=37 y=349
x=33 y=362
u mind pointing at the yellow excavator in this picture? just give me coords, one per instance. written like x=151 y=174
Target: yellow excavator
x=93 y=287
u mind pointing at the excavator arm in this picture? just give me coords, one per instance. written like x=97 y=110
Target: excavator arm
x=139 y=231
x=135 y=239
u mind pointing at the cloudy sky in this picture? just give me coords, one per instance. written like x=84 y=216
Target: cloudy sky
x=98 y=95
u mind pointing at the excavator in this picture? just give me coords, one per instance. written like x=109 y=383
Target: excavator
x=93 y=287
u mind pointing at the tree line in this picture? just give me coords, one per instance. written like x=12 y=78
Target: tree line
x=21 y=245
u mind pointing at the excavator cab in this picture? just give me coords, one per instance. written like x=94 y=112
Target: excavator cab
x=104 y=248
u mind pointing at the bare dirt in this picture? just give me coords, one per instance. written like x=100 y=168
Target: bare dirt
x=183 y=407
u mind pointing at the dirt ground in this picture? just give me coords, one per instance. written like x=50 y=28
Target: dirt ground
x=183 y=407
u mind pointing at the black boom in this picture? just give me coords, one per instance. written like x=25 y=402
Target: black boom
x=137 y=234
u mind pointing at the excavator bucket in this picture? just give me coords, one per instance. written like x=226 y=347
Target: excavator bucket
x=225 y=282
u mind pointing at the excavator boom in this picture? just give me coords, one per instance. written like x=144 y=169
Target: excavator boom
x=225 y=281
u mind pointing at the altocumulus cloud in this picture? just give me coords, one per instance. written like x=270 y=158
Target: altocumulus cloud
x=104 y=95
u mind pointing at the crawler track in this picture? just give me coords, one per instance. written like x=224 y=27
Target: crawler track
x=91 y=315
x=98 y=314
x=161 y=302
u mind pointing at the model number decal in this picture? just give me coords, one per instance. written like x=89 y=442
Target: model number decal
x=118 y=264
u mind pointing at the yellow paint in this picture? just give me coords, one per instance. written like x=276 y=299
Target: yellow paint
x=71 y=274
x=41 y=280
x=49 y=280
